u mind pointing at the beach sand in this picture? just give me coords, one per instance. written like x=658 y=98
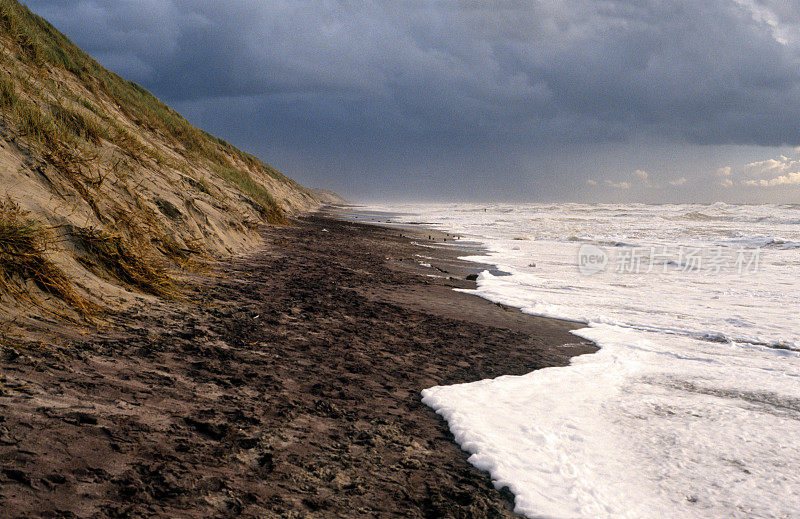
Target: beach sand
x=288 y=385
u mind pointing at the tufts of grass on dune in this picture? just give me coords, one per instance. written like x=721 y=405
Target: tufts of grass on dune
x=104 y=252
x=108 y=154
x=54 y=124
x=24 y=246
x=267 y=206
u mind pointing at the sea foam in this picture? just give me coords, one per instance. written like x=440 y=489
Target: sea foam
x=691 y=408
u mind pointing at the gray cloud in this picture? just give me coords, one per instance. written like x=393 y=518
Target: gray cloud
x=516 y=76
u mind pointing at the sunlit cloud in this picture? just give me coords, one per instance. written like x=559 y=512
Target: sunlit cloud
x=780 y=171
x=723 y=175
x=779 y=165
x=783 y=180
x=617 y=185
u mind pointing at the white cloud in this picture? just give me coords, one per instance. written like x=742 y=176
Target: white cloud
x=780 y=171
x=771 y=166
x=792 y=178
x=678 y=182
x=618 y=185
x=591 y=182
x=724 y=174
x=641 y=174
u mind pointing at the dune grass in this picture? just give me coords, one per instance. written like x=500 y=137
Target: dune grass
x=8 y=92
x=110 y=253
x=24 y=246
x=78 y=123
x=83 y=125
x=43 y=44
x=48 y=127
x=268 y=208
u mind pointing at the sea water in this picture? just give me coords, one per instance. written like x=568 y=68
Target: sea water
x=691 y=408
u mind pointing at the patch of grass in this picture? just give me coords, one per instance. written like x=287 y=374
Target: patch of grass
x=132 y=146
x=8 y=92
x=43 y=44
x=40 y=41
x=8 y=97
x=13 y=23
x=126 y=141
x=268 y=208
x=78 y=124
x=24 y=245
x=38 y=126
x=88 y=105
x=53 y=127
x=104 y=251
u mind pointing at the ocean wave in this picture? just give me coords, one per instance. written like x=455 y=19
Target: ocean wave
x=692 y=365
x=697 y=216
x=763 y=242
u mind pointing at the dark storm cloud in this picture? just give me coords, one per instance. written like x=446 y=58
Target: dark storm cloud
x=461 y=73
x=705 y=71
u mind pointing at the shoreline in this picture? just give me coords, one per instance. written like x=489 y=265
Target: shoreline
x=290 y=384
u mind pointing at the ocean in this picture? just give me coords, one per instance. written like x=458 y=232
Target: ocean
x=691 y=408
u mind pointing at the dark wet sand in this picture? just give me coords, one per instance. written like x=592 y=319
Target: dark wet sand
x=288 y=387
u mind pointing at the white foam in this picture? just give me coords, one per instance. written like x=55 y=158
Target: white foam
x=639 y=429
x=662 y=422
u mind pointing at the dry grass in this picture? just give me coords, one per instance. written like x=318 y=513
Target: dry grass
x=52 y=126
x=8 y=93
x=40 y=41
x=12 y=24
x=262 y=198
x=38 y=126
x=63 y=110
x=51 y=129
x=110 y=253
x=78 y=124
x=24 y=246
x=43 y=44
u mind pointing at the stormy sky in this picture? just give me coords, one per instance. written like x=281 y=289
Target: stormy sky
x=642 y=100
